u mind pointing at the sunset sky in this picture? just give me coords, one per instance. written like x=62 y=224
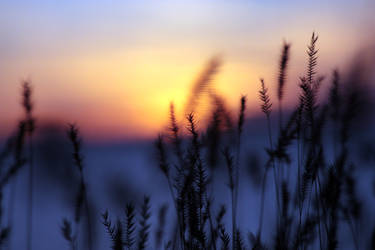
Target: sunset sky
x=113 y=67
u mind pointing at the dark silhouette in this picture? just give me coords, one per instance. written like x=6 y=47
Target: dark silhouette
x=312 y=200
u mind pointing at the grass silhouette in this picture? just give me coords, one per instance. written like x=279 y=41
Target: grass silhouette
x=313 y=189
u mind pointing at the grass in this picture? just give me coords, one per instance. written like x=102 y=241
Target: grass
x=315 y=185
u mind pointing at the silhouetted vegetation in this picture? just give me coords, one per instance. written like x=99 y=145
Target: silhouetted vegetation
x=312 y=191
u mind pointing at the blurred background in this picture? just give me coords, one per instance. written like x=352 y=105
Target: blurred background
x=113 y=68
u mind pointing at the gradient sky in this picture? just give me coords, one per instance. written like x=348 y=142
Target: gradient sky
x=114 y=66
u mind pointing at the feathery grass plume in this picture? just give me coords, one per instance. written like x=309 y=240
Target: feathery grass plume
x=308 y=100
x=202 y=83
x=81 y=198
x=283 y=63
x=220 y=105
x=198 y=170
x=219 y=222
x=30 y=126
x=241 y=116
x=308 y=107
x=221 y=123
x=312 y=138
x=266 y=109
x=195 y=186
x=194 y=190
x=312 y=59
x=173 y=127
x=225 y=239
x=196 y=182
x=193 y=131
x=313 y=156
x=240 y=122
x=174 y=130
x=240 y=245
x=144 y=223
x=67 y=232
x=282 y=78
x=129 y=226
x=213 y=137
x=118 y=241
x=28 y=106
x=335 y=200
x=310 y=87
x=159 y=234
x=76 y=142
x=282 y=70
x=73 y=134
x=264 y=97
x=108 y=224
x=114 y=231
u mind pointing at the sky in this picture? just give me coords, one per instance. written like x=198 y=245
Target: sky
x=113 y=67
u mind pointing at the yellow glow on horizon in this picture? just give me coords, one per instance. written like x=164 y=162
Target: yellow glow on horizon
x=117 y=77
x=129 y=93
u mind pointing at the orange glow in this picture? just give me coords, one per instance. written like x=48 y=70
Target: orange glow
x=116 y=79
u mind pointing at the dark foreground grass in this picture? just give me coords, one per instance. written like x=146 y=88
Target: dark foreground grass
x=315 y=202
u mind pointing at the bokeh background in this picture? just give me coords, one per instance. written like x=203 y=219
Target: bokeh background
x=113 y=67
